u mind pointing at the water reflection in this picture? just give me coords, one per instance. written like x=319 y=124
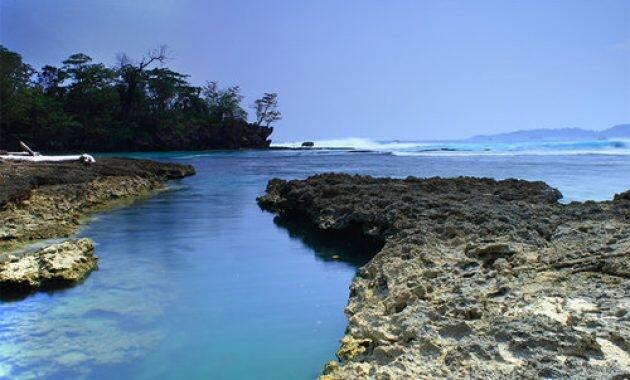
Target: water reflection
x=349 y=245
x=19 y=292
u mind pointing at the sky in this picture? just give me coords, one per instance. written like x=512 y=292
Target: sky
x=403 y=69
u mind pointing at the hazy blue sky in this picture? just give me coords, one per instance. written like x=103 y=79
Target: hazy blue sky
x=378 y=69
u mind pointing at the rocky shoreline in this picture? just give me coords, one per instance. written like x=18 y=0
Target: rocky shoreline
x=476 y=278
x=50 y=200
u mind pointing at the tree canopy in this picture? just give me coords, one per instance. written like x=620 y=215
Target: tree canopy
x=267 y=109
x=136 y=105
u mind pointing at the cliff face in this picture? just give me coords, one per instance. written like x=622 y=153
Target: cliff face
x=231 y=134
x=477 y=278
x=235 y=134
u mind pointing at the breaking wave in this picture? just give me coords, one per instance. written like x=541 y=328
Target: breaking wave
x=462 y=148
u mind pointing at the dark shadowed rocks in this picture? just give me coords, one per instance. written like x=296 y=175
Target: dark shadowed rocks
x=625 y=196
x=477 y=278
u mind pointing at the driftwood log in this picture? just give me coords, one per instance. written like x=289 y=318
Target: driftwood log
x=30 y=151
x=32 y=156
x=85 y=158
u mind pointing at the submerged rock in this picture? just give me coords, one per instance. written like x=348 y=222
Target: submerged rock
x=477 y=278
x=55 y=265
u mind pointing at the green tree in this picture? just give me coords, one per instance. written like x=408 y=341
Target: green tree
x=267 y=109
x=224 y=103
x=92 y=99
x=14 y=85
x=51 y=79
x=136 y=105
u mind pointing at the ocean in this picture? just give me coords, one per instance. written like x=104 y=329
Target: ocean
x=463 y=148
x=198 y=282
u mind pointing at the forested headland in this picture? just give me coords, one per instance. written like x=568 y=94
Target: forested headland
x=135 y=105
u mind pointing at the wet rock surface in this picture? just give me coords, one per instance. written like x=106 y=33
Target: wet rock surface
x=477 y=278
x=56 y=265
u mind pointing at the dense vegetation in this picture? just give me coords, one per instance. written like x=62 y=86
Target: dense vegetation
x=141 y=105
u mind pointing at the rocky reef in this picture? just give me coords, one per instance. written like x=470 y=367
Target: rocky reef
x=476 y=278
x=56 y=265
x=49 y=200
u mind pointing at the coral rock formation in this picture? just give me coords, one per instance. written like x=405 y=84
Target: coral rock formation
x=48 y=200
x=477 y=278
x=57 y=264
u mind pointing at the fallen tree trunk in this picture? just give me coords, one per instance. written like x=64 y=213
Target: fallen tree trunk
x=18 y=153
x=85 y=158
x=30 y=151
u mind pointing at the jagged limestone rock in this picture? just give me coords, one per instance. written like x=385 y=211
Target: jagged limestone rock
x=55 y=265
x=49 y=200
x=477 y=278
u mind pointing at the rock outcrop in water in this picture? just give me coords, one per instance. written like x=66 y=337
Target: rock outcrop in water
x=56 y=265
x=49 y=200
x=477 y=278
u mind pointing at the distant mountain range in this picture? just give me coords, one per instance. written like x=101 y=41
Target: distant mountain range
x=561 y=134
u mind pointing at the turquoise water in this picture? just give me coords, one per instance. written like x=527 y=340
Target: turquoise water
x=197 y=282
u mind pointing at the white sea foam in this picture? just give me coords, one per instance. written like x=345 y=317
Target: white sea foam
x=414 y=148
x=357 y=143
